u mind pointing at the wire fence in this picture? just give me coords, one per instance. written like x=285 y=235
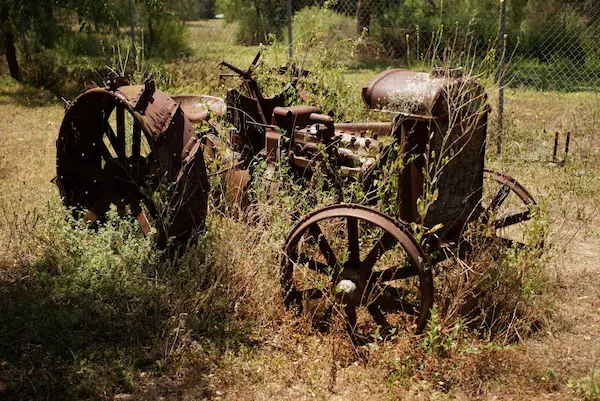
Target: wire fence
x=549 y=45
x=562 y=54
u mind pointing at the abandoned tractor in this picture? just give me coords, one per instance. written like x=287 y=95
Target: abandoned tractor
x=350 y=257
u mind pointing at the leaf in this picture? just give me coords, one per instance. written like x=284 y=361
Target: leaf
x=435 y=228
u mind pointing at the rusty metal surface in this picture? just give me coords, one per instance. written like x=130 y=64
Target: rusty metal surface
x=98 y=166
x=442 y=122
x=512 y=217
x=236 y=188
x=405 y=91
x=372 y=129
x=294 y=116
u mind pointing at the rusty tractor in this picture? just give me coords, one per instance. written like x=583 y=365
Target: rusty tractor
x=127 y=145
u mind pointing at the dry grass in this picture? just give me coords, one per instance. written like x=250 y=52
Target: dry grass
x=220 y=330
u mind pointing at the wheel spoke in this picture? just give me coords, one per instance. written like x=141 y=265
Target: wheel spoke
x=114 y=141
x=106 y=155
x=499 y=199
x=324 y=246
x=139 y=214
x=314 y=265
x=83 y=170
x=353 y=245
x=378 y=316
x=395 y=273
x=351 y=317
x=384 y=244
x=120 y=130
x=98 y=209
x=136 y=141
x=389 y=303
x=511 y=220
x=121 y=207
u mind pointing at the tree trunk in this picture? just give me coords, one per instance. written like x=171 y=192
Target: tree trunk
x=132 y=23
x=9 y=43
x=364 y=9
x=23 y=27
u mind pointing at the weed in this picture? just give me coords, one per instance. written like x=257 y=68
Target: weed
x=436 y=340
x=588 y=387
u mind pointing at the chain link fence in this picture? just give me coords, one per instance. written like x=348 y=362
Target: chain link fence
x=562 y=53
x=550 y=45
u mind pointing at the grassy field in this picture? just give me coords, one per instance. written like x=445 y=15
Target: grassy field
x=104 y=315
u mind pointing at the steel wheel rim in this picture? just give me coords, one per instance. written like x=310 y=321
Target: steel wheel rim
x=394 y=230
x=133 y=179
x=507 y=186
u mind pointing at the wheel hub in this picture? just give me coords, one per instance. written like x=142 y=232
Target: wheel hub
x=349 y=287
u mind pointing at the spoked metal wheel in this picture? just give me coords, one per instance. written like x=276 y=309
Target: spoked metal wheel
x=358 y=261
x=507 y=208
x=132 y=147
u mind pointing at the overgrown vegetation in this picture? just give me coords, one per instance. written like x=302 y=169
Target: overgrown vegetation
x=90 y=314
x=46 y=41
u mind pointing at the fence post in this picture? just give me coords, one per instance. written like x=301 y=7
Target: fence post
x=289 y=21
x=502 y=51
x=132 y=23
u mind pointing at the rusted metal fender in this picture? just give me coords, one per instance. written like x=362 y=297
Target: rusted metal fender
x=175 y=159
x=403 y=91
x=416 y=94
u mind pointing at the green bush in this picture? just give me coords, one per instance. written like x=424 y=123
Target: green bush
x=166 y=38
x=256 y=20
x=423 y=21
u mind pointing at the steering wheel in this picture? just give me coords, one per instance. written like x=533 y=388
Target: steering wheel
x=244 y=74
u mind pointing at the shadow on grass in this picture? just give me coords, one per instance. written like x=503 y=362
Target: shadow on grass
x=57 y=343
x=376 y=64
x=12 y=92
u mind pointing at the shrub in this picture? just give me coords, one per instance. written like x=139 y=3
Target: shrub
x=166 y=38
x=256 y=20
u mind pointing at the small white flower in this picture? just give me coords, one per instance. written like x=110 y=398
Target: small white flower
x=346 y=286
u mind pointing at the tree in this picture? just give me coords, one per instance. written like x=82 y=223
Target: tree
x=364 y=10
x=40 y=16
x=8 y=39
x=258 y=18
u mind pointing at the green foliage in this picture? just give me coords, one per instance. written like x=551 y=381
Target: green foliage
x=60 y=73
x=97 y=307
x=256 y=20
x=588 y=387
x=409 y=28
x=323 y=48
x=334 y=27
x=190 y=10
x=57 y=50
x=81 y=318
x=438 y=341
x=166 y=38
